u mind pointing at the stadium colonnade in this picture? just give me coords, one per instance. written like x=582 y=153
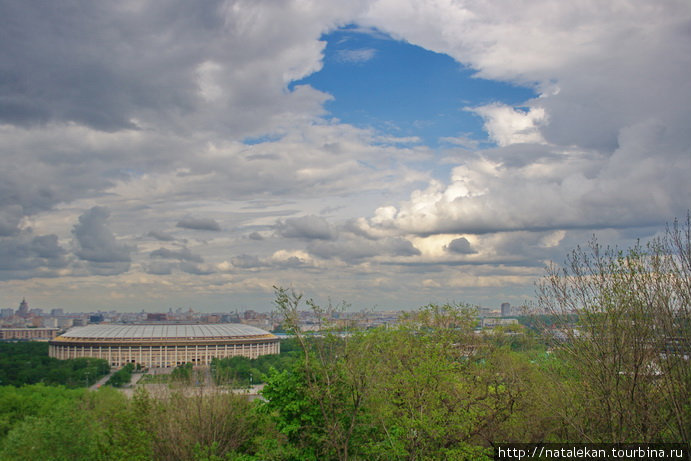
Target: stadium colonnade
x=163 y=345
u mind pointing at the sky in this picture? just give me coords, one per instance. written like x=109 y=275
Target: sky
x=385 y=153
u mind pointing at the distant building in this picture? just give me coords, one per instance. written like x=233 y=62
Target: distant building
x=96 y=318
x=57 y=313
x=23 y=310
x=156 y=317
x=230 y=318
x=492 y=322
x=36 y=322
x=505 y=309
x=28 y=334
x=50 y=322
x=7 y=313
x=485 y=311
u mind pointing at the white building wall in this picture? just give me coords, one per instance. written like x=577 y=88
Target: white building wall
x=163 y=356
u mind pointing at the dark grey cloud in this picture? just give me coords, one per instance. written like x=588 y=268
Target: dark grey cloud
x=45 y=166
x=26 y=256
x=255 y=236
x=251 y=262
x=161 y=236
x=97 y=246
x=168 y=267
x=245 y=261
x=160 y=267
x=195 y=269
x=112 y=67
x=47 y=247
x=292 y=262
x=29 y=186
x=95 y=241
x=10 y=217
x=96 y=63
x=354 y=250
x=459 y=246
x=306 y=227
x=207 y=224
x=183 y=254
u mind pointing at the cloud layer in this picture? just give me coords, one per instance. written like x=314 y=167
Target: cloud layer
x=161 y=153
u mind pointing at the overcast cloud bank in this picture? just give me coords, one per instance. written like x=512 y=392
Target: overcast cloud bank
x=156 y=155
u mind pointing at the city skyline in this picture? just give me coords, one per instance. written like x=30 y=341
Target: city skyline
x=385 y=154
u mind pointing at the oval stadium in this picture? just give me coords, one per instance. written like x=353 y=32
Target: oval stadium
x=163 y=345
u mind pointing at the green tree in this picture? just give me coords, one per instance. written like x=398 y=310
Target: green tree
x=122 y=377
x=58 y=430
x=296 y=413
x=198 y=420
x=627 y=349
x=28 y=363
x=426 y=389
x=427 y=397
x=36 y=400
x=123 y=431
x=333 y=381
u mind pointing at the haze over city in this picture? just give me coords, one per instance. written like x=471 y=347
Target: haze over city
x=165 y=155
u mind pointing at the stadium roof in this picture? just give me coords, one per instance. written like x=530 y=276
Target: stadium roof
x=149 y=331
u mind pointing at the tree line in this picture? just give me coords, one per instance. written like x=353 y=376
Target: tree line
x=242 y=371
x=28 y=363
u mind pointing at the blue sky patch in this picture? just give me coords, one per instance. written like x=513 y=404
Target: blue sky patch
x=404 y=90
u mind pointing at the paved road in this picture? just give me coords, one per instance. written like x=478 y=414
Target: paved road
x=206 y=386
x=103 y=380
x=135 y=378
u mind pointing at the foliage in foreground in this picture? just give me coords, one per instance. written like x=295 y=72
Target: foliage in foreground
x=631 y=345
x=430 y=388
x=53 y=423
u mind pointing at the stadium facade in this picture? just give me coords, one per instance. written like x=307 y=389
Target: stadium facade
x=163 y=345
